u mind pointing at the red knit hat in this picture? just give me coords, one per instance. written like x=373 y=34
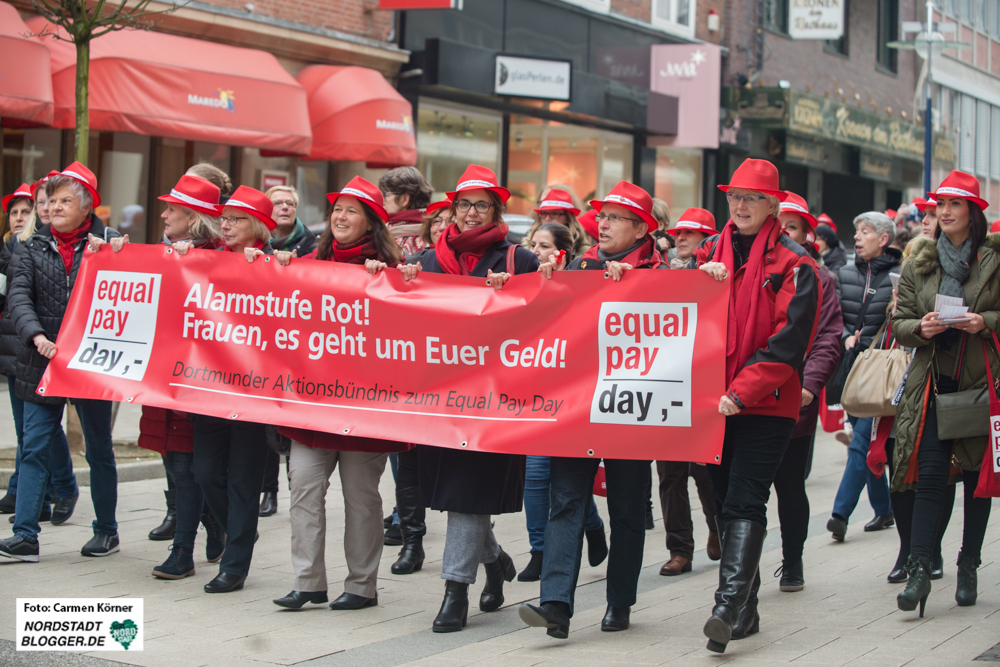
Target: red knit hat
x=960 y=184
x=557 y=200
x=254 y=202
x=695 y=220
x=824 y=219
x=757 y=175
x=42 y=181
x=86 y=177
x=797 y=205
x=23 y=191
x=196 y=194
x=633 y=198
x=479 y=178
x=589 y=222
x=365 y=192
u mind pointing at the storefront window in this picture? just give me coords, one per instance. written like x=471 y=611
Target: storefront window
x=450 y=138
x=28 y=155
x=311 y=182
x=678 y=179
x=123 y=181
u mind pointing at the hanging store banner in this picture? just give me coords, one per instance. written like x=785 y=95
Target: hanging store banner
x=576 y=366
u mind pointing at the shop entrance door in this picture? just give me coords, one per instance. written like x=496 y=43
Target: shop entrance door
x=844 y=198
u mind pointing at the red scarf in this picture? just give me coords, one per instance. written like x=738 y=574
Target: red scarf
x=459 y=252
x=66 y=242
x=259 y=245
x=355 y=253
x=749 y=317
x=646 y=255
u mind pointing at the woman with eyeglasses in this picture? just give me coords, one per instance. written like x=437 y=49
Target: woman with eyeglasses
x=406 y=194
x=472 y=486
x=774 y=306
x=559 y=204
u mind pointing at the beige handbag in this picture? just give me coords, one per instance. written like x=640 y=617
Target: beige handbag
x=872 y=383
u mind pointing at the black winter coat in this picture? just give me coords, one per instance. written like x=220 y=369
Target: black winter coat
x=453 y=480
x=37 y=301
x=853 y=283
x=835 y=259
x=10 y=344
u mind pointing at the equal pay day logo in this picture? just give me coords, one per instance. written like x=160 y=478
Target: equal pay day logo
x=118 y=338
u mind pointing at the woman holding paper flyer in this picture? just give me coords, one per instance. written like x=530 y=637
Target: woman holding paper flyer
x=961 y=266
x=472 y=486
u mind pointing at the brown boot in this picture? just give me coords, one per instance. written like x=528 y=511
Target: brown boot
x=676 y=565
x=713 y=548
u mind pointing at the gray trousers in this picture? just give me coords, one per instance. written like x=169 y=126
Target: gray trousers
x=469 y=542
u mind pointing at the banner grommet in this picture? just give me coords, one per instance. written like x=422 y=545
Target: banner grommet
x=465 y=444
x=590 y=452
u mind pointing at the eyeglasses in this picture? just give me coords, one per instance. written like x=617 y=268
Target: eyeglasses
x=232 y=220
x=288 y=203
x=750 y=200
x=464 y=205
x=552 y=214
x=614 y=218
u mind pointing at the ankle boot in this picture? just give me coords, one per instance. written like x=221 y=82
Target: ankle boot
x=497 y=572
x=533 y=572
x=215 y=542
x=742 y=543
x=918 y=585
x=165 y=531
x=412 y=528
x=748 y=620
x=454 y=608
x=965 y=589
x=902 y=509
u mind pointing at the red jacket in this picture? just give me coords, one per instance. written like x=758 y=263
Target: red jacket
x=163 y=430
x=769 y=383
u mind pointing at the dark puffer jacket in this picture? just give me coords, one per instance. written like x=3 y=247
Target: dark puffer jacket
x=37 y=301
x=10 y=344
x=854 y=279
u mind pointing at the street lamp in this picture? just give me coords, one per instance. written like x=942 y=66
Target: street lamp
x=927 y=42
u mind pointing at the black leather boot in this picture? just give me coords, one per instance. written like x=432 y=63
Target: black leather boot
x=551 y=615
x=454 y=608
x=533 y=572
x=165 y=531
x=412 y=528
x=748 y=620
x=966 y=589
x=497 y=572
x=215 y=543
x=742 y=544
x=268 y=503
x=918 y=585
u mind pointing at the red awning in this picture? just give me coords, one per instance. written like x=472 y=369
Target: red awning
x=25 y=82
x=357 y=115
x=169 y=86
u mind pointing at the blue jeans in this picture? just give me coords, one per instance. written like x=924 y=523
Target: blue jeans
x=536 y=502
x=190 y=501
x=62 y=481
x=41 y=424
x=857 y=476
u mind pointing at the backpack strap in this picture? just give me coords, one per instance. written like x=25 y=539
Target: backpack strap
x=510 y=258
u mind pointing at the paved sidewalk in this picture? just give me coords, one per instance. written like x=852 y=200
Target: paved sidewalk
x=846 y=614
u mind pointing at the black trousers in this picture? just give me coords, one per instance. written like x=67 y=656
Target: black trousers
x=751 y=454
x=676 y=506
x=229 y=458
x=793 y=503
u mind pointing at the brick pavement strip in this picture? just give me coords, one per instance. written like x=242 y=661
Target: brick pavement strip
x=845 y=616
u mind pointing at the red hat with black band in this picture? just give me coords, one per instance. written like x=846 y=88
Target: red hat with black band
x=366 y=193
x=756 y=175
x=254 y=202
x=960 y=184
x=695 y=220
x=632 y=197
x=479 y=178
x=196 y=194
x=824 y=219
x=557 y=200
x=22 y=192
x=86 y=177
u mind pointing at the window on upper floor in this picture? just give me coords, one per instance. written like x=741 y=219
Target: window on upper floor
x=982 y=16
x=675 y=15
x=949 y=7
x=966 y=11
x=995 y=18
x=840 y=46
x=776 y=15
x=888 y=31
x=603 y=6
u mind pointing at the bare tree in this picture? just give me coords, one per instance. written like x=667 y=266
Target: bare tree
x=83 y=22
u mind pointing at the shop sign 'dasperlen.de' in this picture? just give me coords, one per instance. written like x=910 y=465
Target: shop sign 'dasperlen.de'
x=531 y=77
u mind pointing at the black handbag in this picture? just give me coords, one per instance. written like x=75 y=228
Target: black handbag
x=835 y=385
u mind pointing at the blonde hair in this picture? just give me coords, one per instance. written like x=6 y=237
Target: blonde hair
x=662 y=213
x=204 y=227
x=283 y=188
x=259 y=229
x=581 y=242
x=213 y=175
x=30 y=227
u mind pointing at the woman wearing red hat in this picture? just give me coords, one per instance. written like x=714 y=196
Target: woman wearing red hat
x=438 y=215
x=774 y=307
x=38 y=297
x=790 y=481
x=694 y=226
x=964 y=263
x=355 y=234
x=472 y=486
x=626 y=222
x=18 y=206
x=558 y=204
x=929 y=224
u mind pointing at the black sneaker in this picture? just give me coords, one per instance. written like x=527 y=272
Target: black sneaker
x=100 y=545
x=44 y=516
x=18 y=548
x=62 y=509
x=8 y=502
x=393 y=537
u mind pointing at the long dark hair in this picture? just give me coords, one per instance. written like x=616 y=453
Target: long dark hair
x=978 y=227
x=385 y=245
x=560 y=234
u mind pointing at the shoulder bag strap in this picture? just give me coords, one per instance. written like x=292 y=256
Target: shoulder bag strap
x=510 y=258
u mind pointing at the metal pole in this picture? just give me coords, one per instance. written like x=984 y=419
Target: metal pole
x=928 y=155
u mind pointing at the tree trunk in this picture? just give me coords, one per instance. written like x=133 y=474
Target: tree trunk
x=82 y=101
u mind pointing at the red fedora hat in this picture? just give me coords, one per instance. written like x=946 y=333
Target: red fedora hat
x=695 y=220
x=24 y=190
x=633 y=198
x=432 y=209
x=995 y=227
x=480 y=178
x=254 y=202
x=757 y=175
x=557 y=200
x=960 y=184
x=824 y=219
x=925 y=204
x=589 y=222
x=86 y=177
x=196 y=194
x=42 y=181
x=797 y=205
x=365 y=192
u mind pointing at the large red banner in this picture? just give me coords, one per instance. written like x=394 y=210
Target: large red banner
x=576 y=366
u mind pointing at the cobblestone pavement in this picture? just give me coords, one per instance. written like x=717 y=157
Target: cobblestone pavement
x=845 y=616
